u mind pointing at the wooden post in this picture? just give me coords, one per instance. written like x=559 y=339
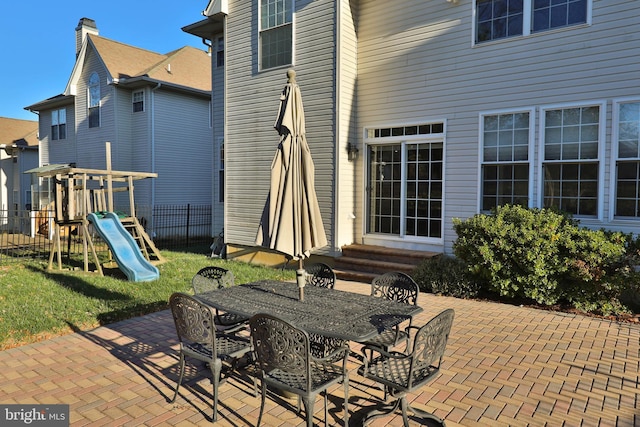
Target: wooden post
x=109 y=176
x=132 y=204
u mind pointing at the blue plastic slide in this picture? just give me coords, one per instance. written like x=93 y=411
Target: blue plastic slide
x=124 y=248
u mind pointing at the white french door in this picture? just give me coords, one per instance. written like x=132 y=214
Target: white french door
x=405 y=190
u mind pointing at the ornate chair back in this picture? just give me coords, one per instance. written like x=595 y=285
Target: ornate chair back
x=211 y=278
x=429 y=344
x=284 y=359
x=320 y=275
x=395 y=286
x=194 y=322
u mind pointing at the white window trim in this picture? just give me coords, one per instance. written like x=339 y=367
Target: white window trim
x=293 y=38
x=613 y=170
x=530 y=152
x=526 y=24
x=602 y=132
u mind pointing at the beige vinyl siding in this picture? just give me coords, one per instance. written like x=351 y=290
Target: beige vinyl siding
x=182 y=149
x=44 y=136
x=417 y=63
x=252 y=102
x=348 y=203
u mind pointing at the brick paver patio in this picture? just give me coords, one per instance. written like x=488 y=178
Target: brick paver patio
x=505 y=366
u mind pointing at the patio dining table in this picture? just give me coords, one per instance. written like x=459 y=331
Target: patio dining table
x=329 y=312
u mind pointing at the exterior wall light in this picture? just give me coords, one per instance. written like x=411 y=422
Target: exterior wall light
x=352 y=151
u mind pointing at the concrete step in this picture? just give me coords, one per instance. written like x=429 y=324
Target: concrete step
x=381 y=253
x=361 y=263
x=354 y=276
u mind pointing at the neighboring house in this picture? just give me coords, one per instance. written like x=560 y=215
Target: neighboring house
x=154 y=109
x=455 y=106
x=18 y=153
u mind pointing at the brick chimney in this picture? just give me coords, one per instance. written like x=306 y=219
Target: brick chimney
x=85 y=26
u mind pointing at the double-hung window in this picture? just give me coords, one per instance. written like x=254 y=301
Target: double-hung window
x=571 y=158
x=505 y=158
x=498 y=19
x=59 y=124
x=276 y=33
x=220 y=52
x=94 y=100
x=137 y=100
x=627 y=146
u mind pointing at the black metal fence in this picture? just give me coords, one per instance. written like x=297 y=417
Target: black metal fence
x=179 y=226
x=28 y=234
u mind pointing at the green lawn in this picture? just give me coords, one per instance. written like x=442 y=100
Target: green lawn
x=37 y=304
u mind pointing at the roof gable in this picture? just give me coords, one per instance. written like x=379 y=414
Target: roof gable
x=187 y=66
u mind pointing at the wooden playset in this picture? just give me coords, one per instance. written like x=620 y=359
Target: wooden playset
x=80 y=192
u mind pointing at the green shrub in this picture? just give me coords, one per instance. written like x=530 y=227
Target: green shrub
x=542 y=255
x=445 y=275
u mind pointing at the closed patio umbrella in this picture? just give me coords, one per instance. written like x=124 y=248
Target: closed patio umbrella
x=291 y=222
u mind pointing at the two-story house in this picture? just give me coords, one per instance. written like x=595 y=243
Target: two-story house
x=454 y=107
x=154 y=109
x=18 y=153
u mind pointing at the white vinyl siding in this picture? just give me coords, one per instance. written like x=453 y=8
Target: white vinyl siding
x=416 y=64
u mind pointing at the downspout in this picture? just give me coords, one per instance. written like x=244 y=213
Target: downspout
x=208 y=45
x=153 y=144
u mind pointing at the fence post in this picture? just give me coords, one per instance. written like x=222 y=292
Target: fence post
x=188 y=221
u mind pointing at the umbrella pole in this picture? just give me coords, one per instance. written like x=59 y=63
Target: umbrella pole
x=301 y=279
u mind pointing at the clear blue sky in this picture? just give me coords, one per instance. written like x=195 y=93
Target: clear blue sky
x=37 y=40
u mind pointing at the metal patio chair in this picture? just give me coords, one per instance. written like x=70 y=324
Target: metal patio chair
x=399 y=287
x=320 y=275
x=212 y=278
x=402 y=373
x=285 y=363
x=200 y=340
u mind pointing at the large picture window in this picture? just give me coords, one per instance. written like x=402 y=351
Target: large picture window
x=498 y=19
x=627 y=134
x=276 y=33
x=571 y=160
x=59 y=124
x=94 y=101
x=505 y=159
